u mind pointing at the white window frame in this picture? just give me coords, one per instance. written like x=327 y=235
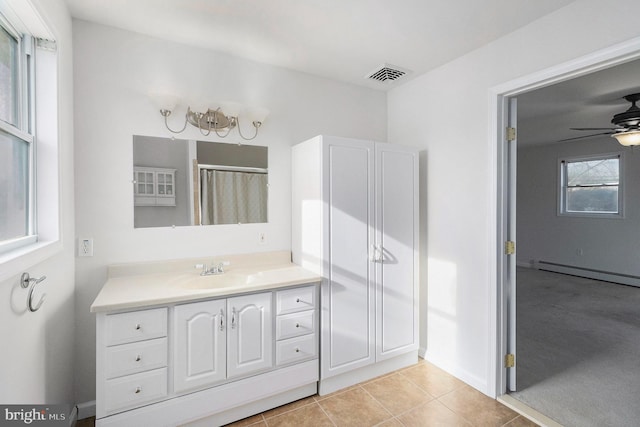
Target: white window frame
x=562 y=186
x=24 y=129
x=23 y=18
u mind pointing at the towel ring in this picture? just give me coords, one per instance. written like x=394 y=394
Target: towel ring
x=25 y=282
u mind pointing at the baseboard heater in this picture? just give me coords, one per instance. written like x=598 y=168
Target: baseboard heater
x=590 y=273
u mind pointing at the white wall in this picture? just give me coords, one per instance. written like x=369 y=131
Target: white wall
x=114 y=72
x=37 y=354
x=445 y=112
x=607 y=244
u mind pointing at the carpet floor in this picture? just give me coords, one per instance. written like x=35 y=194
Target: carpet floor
x=578 y=349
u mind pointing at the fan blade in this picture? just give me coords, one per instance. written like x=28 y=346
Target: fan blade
x=593 y=128
x=585 y=136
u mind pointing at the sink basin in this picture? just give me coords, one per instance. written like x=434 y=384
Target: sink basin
x=216 y=281
x=276 y=275
x=241 y=278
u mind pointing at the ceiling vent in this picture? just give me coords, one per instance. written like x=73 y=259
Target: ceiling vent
x=387 y=73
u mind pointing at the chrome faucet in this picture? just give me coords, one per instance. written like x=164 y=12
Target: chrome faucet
x=214 y=269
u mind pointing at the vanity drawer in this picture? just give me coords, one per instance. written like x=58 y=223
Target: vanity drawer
x=296 y=349
x=135 y=390
x=294 y=300
x=296 y=324
x=135 y=357
x=134 y=326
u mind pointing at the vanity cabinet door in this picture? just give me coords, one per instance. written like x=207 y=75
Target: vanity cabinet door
x=200 y=345
x=250 y=334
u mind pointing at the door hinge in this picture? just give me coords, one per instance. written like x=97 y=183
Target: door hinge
x=509 y=360
x=511 y=134
x=509 y=247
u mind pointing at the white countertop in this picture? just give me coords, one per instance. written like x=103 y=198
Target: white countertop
x=132 y=286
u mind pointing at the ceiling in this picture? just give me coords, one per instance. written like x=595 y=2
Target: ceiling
x=347 y=40
x=344 y=40
x=546 y=115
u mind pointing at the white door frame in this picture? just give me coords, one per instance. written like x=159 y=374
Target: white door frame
x=498 y=103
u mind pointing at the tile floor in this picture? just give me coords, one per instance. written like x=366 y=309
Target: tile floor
x=421 y=395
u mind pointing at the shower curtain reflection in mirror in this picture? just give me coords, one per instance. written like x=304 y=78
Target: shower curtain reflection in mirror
x=233 y=196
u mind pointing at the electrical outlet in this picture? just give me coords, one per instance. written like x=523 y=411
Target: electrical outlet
x=85 y=247
x=262 y=239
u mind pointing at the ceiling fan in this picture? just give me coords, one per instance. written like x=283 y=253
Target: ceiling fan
x=627 y=125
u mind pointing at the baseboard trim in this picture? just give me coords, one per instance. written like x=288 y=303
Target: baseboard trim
x=455 y=370
x=422 y=352
x=527 y=411
x=589 y=273
x=365 y=373
x=525 y=264
x=86 y=409
x=73 y=417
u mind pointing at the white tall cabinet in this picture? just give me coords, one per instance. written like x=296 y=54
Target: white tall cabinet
x=355 y=223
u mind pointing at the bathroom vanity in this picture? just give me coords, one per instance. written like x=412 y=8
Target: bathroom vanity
x=175 y=347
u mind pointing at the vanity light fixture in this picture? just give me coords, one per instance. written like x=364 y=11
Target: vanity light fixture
x=219 y=119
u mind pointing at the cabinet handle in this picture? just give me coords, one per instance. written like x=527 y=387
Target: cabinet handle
x=138 y=327
x=297 y=350
x=138 y=390
x=138 y=358
x=221 y=320
x=233 y=318
x=376 y=254
x=297 y=325
x=297 y=299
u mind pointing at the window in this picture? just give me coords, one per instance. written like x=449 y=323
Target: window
x=591 y=186
x=17 y=178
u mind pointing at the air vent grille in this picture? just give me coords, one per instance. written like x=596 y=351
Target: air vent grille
x=387 y=73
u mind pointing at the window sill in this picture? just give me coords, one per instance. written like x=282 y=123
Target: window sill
x=19 y=260
x=590 y=215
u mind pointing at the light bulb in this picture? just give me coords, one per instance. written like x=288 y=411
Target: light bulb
x=165 y=101
x=257 y=114
x=629 y=138
x=231 y=109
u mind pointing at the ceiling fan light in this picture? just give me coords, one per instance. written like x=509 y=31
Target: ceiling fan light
x=628 y=138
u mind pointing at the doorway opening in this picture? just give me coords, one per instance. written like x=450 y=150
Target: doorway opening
x=506 y=179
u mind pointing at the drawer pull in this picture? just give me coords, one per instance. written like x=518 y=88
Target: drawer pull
x=138 y=327
x=297 y=325
x=138 y=390
x=297 y=299
x=138 y=358
x=297 y=350
x=233 y=318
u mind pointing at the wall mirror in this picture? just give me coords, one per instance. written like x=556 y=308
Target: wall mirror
x=187 y=182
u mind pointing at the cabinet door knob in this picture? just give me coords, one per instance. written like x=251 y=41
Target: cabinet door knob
x=297 y=299
x=138 y=358
x=138 y=327
x=297 y=350
x=297 y=325
x=138 y=390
